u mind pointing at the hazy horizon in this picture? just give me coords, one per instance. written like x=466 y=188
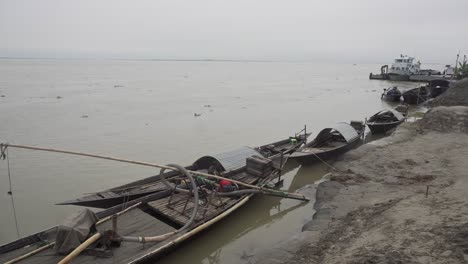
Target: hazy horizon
x=334 y=31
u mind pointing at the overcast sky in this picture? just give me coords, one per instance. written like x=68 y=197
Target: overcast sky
x=328 y=30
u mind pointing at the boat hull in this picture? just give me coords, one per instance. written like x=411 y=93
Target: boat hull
x=311 y=158
x=378 y=128
x=414 y=99
x=118 y=195
x=398 y=77
x=110 y=202
x=391 y=98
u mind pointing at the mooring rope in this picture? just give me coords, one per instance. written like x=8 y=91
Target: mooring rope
x=126 y=200
x=3 y=155
x=324 y=162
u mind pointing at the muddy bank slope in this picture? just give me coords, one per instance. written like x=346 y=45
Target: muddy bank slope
x=406 y=202
x=402 y=199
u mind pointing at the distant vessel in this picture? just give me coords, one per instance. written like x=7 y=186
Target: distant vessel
x=403 y=67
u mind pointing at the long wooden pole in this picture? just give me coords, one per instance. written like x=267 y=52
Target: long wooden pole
x=27 y=255
x=264 y=190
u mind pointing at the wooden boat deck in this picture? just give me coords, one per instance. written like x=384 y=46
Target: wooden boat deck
x=178 y=207
x=133 y=223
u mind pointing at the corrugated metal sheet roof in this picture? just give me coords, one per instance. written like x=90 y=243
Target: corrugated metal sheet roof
x=345 y=129
x=234 y=159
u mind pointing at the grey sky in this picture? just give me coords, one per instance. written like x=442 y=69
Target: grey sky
x=335 y=30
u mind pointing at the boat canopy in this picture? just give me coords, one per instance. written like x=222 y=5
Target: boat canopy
x=227 y=161
x=345 y=129
x=439 y=82
x=397 y=114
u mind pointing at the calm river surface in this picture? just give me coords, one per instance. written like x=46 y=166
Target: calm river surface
x=144 y=110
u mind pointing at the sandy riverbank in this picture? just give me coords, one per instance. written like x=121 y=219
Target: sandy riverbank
x=402 y=199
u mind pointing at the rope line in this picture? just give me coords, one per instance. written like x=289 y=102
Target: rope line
x=10 y=191
x=324 y=162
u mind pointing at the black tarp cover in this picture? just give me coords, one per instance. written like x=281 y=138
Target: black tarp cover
x=74 y=231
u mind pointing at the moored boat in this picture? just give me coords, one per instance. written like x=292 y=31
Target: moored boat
x=153 y=184
x=391 y=94
x=384 y=120
x=416 y=95
x=330 y=142
x=438 y=87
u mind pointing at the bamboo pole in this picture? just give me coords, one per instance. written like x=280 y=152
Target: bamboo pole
x=80 y=248
x=264 y=190
x=27 y=255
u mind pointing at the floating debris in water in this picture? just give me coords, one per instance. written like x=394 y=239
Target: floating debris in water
x=59 y=97
x=197 y=114
x=117 y=86
x=207 y=105
x=2 y=95
x=84 y=116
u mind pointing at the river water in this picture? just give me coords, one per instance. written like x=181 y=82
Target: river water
x=144 y=110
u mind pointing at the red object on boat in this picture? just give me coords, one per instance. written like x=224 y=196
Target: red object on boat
x=224 y=183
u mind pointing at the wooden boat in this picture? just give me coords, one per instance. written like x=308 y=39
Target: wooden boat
x=438 y=87
x=416 y=95
x=391 y=94
x=330 y=142
x=161 y=223
x=384 y=120
x=151 y=185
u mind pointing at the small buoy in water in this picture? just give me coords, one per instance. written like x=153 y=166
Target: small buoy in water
x=196 y=114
